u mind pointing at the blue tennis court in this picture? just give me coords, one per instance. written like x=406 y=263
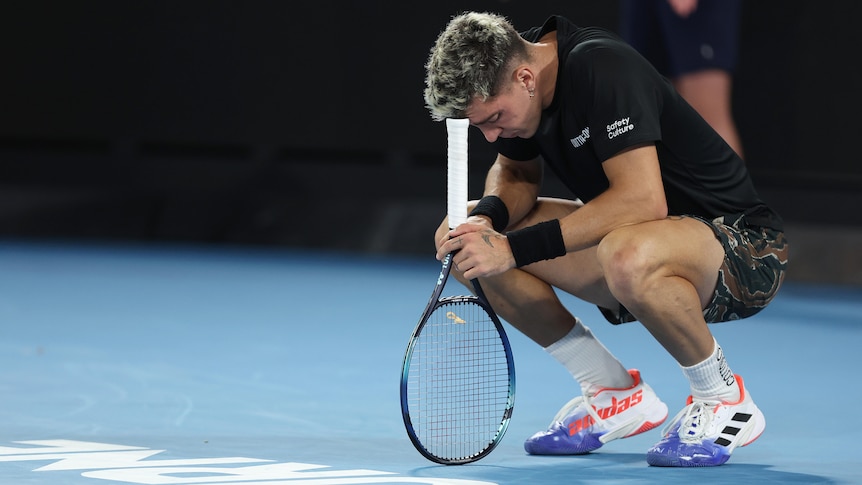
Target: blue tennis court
x=204 y=365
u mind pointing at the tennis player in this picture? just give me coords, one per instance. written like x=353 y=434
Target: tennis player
x=664 y=227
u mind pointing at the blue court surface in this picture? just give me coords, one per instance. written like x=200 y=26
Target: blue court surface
x=204 y=365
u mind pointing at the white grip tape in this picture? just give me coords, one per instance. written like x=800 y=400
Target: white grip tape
x=457 y=170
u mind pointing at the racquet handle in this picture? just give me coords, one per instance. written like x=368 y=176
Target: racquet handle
x=456 y=200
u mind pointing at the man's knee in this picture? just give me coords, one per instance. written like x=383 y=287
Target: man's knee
x=627 y=258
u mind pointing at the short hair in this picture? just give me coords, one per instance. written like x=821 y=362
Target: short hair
x=469 y=59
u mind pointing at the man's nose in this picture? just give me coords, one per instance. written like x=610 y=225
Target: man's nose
x=491 y=133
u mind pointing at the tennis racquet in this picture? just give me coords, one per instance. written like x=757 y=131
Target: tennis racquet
x=458 y=376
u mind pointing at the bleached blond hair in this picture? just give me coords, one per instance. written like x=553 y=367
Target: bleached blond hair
x=469 y=59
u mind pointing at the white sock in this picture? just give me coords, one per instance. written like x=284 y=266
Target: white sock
x=712 y=379
x=589 y=362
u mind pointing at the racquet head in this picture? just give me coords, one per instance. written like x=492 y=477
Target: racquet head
x=458 y=382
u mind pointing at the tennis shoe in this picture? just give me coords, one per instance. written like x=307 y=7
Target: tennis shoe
x=706 y=433
x=587 y=422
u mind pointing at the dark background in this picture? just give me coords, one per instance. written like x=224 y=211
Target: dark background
x=301 y=124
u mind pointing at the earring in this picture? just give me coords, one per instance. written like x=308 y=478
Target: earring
x=532 y=92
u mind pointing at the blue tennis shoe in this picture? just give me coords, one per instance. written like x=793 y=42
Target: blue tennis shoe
x=601 y=415
x=706 y=433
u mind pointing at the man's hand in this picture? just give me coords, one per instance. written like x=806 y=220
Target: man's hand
x=683 y=8
x=480 y=251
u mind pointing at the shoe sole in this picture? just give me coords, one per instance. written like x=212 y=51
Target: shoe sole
x=593 y=442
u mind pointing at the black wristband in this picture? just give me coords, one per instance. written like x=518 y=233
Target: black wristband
x=493 y=207
x=537 y=243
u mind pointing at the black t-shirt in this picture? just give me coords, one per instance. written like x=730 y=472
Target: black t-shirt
x=609 y=98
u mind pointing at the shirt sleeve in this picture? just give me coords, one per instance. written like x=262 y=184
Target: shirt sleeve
x=623 y=94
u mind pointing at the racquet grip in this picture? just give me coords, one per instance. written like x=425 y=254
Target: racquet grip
x=456 y=199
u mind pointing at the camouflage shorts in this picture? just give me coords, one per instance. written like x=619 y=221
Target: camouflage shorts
x=754 y=265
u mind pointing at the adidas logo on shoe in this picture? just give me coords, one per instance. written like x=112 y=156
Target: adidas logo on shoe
x=616 y=407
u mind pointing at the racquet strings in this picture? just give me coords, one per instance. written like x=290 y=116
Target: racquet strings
x=458 y=381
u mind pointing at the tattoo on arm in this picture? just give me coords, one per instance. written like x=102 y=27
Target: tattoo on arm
x=487 y=235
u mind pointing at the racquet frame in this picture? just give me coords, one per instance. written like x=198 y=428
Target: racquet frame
x=433 y=303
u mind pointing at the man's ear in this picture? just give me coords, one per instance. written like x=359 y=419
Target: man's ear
x=525 y=78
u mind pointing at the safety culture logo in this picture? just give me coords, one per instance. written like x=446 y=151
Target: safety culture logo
x=130 y=464
x=615 y=129
x=619 y=127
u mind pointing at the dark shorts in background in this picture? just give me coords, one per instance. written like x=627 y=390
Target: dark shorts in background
x=755 y=261
x=706 y=39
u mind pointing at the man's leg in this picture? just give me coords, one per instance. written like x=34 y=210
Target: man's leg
x=709 y=93
x=665 y=273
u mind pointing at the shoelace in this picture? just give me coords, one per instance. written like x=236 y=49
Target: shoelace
x=694 y=421
x=572 y=405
